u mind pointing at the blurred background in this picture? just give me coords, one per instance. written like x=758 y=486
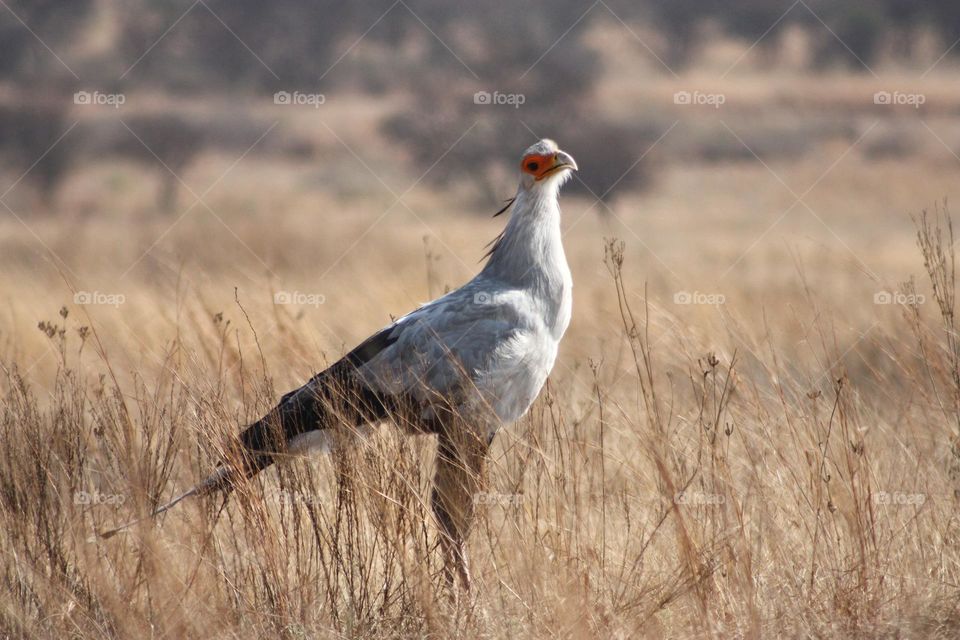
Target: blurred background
x=328 y=164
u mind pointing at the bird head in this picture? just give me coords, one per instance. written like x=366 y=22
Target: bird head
x=544 y=165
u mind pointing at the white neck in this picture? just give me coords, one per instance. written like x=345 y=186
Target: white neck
x=529 y=255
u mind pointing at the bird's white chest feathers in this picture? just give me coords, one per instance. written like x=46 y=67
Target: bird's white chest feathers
x=529 y=356
x=515 y=388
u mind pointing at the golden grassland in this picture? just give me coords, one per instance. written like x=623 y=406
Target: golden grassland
x=778 y=460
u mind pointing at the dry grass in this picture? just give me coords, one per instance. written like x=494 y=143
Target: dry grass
x=662 y=490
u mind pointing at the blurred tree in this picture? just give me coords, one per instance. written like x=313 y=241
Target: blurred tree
x=33 y=33
x=681 y=21
x=168 y=142
x=242 y=44
x=945 y=17
x=54 y=23
x=28 y=133
x=854 y=35
x=758 y=23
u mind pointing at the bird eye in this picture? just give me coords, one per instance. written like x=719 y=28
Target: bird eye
x=533 y=166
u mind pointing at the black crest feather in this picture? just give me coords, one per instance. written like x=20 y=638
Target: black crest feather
x=493 y=244
x=505 y=207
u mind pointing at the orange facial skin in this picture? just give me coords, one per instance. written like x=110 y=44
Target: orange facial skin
x=539 y=166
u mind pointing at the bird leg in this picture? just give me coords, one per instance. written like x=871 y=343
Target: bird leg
x=460 y=459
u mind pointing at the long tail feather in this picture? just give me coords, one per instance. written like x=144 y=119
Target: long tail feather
x=220 y=479
x=299 y=412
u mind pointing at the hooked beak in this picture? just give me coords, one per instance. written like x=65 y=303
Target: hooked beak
x=561 y=160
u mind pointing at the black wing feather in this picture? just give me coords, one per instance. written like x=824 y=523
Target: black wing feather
x=335 y=394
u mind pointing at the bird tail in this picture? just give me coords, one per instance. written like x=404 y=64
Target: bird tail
x=221 y=479
x=256 y=447
x=329 y=396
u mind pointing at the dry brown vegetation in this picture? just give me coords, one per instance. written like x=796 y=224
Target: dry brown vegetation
x=664 y=489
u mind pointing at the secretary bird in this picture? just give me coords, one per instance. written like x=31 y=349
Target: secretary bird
x=459 y=367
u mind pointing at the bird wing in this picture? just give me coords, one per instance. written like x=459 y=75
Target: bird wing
x=454 y=347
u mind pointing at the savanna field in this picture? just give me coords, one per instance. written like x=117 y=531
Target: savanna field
x=751 y=429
